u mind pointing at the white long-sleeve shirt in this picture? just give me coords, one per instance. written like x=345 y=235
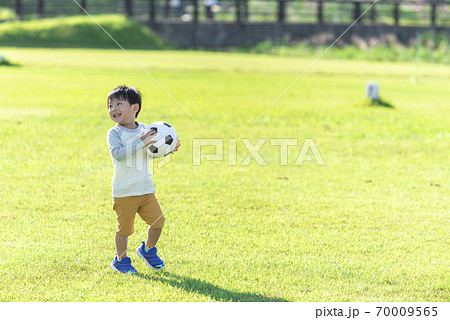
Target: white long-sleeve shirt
x=131 y=170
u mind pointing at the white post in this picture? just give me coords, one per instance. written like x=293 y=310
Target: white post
x=373 y=91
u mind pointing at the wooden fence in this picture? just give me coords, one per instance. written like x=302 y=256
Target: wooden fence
x=421 y=12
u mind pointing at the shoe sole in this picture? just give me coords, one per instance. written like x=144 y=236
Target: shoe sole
x=115 y=269
x=148 y=264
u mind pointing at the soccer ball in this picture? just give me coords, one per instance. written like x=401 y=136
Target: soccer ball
x=166 y=139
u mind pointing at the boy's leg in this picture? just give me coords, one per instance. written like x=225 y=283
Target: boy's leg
x=153 y=235
x=121 y=262
x=121 y=246
x=148 y=252
x=125 y=209
x=151 y=213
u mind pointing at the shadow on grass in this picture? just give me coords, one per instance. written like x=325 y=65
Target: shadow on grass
x=207 y=289
x=7 y=63
x=378 y=103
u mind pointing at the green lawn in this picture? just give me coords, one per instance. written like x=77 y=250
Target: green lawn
x=370 y=225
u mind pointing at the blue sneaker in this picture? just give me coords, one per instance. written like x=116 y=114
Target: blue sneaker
x=123 y=266
x=150 y=257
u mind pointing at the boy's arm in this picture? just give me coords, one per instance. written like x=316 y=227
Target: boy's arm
x=116 y=147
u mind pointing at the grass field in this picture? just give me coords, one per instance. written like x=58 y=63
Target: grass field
x=370 y=225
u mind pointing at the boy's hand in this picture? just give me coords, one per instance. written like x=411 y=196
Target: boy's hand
x=148 y=137
x=176 y=148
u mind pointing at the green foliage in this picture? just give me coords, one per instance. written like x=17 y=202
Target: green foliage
x=80 y=31
x=378 y=208
x=433 y=48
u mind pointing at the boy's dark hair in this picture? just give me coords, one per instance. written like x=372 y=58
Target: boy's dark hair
x=128 y=93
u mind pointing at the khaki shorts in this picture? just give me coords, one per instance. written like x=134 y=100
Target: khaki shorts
x=145 y=205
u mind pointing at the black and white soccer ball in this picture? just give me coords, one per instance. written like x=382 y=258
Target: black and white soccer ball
x=166 y=139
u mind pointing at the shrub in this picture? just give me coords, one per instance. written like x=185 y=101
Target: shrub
x=80 y=31
x=7 y=14
x=433 y=48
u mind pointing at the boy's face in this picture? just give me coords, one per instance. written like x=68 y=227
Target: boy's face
x=121 y=112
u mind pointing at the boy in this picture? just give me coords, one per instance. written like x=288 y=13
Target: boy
x=132 y=186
